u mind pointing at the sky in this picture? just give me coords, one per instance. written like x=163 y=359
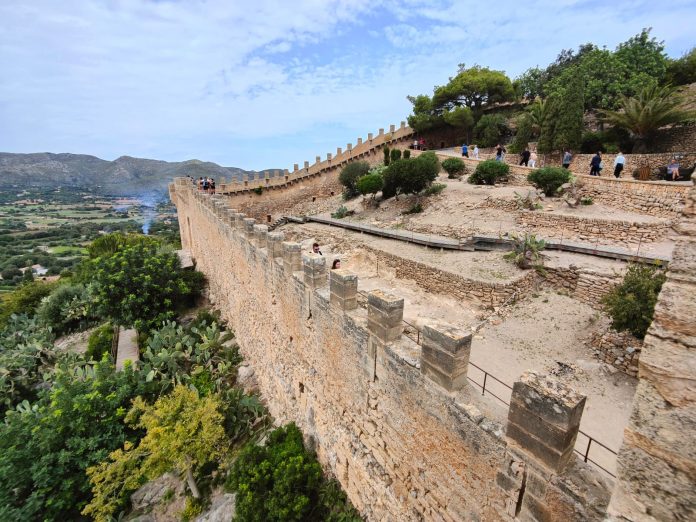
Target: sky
x=265 y=84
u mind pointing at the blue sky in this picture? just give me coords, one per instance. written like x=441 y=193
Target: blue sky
x=267 y=84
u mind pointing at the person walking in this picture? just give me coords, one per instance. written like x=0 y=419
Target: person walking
x=524 y=157
x=595 y=163
x=567 y=158
x=476 y=151
x=465 y=150
x=212 y=185
x=532 y=159
x=499 y=152
x=619 y=164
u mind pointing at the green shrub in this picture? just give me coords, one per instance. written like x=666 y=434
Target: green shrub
x=592 y=142
x=99 y=342
x=586 y=200
x=258 y=190
x=526 y=251
x=395 y=154
x=488 y=172
x=434 y=189
x=407 y=154
x=370 y=184
x=410 y=176
x=387 y=156
x=490 y=129
x=283 y=481
x=340 y=213
x=350 y=175
x=24 y=300
x=549 y=179
x=67 y=309
x=631 y=304
x=454 y=167
x=415 y=209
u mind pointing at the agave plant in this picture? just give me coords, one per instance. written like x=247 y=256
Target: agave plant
x=653 y=107
x=526 y=251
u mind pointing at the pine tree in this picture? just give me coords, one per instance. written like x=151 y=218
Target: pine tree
x=568 y=132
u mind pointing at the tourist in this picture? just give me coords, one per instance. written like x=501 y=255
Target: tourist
x=476 y=151
x=421 y=144
x=212 y=185
x=465 y=150
x=533 y=159
x=567 y=158
x=595 y=164
x=619 y=164
x=524 y=157
x=499 y=152
x=673 y=170
x=336 y=264
x=206 y=185
x=415 y=145
x=200 y=183
x=315 y=249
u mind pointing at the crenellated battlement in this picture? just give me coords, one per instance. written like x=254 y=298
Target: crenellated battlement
x=396 y=422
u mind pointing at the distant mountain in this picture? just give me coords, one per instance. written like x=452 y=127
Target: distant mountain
x=125 y=175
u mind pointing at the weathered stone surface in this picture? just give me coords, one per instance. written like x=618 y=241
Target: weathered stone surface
x=154 y=491
x=222 y=508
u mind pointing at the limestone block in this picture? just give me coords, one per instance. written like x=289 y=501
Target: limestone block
x=275 y=244
x=314 y=268
x=249 y=227
x=260 y=235
x=385 y=314
x=544 y=419
x=292 y=257
x=445 y=356
x=343 y=288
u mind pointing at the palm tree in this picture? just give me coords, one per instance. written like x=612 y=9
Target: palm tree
x=537 y=113
x=653 y=107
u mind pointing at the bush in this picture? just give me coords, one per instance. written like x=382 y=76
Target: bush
x=258 y=190
x=370 y=184
x=549 y=179
x=592 y=142
x=67 y=309
x=631 y=304
x=350 y=175
x=407 y=154
x=415 y=209
x=410 y=176
x=395 y=154
x=99 y=342
x=24 y=300
x=488 y=172
x=387 y=156
x=283 y=481
x=340 y=213
x=454 y=167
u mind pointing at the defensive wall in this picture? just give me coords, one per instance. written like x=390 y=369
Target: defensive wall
x=396 y=422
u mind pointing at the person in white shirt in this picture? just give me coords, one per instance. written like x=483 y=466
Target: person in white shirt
x=619 y=164
x=532 y=159
x=476 y=152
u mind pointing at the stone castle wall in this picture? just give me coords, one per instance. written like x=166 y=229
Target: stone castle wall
x=395 y=422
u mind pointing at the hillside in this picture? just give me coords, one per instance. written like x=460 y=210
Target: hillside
x=124 y=175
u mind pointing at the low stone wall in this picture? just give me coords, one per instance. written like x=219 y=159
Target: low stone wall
x=591 y=229
x=446 y=283
x=584 y=284
x=618 y=349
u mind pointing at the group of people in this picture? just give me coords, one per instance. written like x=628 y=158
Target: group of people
x=528 y=158
x=418 y=144
x=596 y=164
x=206 y=184
x=335 y=265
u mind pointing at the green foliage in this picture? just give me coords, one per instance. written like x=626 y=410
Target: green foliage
x=141 y=285
x=67 y=309
x=652 y=108
x=488 y=172
x=434 y=189
x=350 y=175
x=490 y=129
x=562 y=126
x=631 y=304
x=109 y=244
x=173 y=354
x=454 y=167
x=183 y=432
x=407 y=153
x=23 y=300
x=395 y=154
x=473 y=88
x=682 y=71
x=549 y=179
x=586 y=200
x=340 y=213
x=643 y=61
x=530 y=83
x=459 y=117
x=258 y=190
x=282 y=481
x=410 y=176
x=26 y=354
x=526 y=251
x=524 y=133
x=370 y=184
x=10 y=273
x=99 y=343
x=45 y=449
x=192 y=509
